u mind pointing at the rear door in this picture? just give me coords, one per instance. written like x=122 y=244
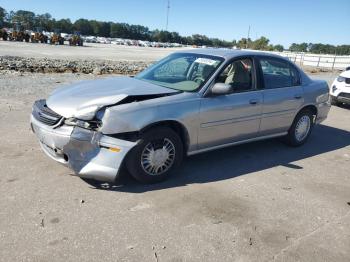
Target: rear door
x=282 y=95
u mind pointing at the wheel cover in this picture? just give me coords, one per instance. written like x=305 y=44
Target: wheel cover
x=158 y=156
x=302 y=128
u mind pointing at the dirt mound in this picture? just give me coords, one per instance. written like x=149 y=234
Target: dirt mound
x=45 y=65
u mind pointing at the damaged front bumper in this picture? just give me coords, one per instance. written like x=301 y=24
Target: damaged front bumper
x=90 y=154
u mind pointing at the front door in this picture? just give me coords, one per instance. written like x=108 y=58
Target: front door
x=235 y=116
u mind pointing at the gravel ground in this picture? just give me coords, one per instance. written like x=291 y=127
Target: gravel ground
x=43 y=65
x=91 y=58
x=256 y=202
x=92 y=52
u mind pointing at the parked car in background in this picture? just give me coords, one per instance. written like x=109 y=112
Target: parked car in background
x=340 y=89
x=187 y=103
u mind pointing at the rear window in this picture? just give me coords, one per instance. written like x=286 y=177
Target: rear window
x=278 y=73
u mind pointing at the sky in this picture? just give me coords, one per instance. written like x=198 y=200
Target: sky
x=282 y=21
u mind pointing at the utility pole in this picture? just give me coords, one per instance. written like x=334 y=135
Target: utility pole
x=167 y=15
x=246 y=47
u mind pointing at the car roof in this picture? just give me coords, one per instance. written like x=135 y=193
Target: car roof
x=227 y=53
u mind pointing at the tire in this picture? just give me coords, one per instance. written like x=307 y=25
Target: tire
x=160 y=139
x=293 y=138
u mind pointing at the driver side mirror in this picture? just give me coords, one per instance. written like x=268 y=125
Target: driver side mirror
x=348 y=68
x=221 y=89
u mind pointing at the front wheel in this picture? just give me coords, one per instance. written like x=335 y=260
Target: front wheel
x=157 y=154
x=300 y=129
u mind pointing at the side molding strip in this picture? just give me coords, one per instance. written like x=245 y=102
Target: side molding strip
x=235 y=143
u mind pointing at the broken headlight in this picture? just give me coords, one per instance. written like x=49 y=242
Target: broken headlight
x=92 y=124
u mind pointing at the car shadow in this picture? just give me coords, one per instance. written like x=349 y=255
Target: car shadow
x=237 y=161
x=344 y=106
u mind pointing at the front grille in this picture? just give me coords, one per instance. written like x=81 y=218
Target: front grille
x=347 y=80
x=346 y=95
x=44 y=114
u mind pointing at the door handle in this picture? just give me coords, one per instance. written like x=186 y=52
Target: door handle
x=298 y=96
x=253 y=101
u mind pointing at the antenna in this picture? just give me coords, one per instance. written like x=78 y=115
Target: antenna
x=167 y=15
x=248 y=37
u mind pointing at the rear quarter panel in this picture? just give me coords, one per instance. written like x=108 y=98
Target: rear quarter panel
x=316 y=92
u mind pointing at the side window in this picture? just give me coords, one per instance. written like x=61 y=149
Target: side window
x=278 y=73
x=238 y=74
x=295 y=76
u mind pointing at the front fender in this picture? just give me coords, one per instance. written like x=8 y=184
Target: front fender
x=136 y=116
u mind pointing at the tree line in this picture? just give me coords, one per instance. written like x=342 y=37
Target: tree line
x=320 y=48
x=30 y=21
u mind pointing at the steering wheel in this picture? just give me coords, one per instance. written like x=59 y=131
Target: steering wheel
x=198 y=79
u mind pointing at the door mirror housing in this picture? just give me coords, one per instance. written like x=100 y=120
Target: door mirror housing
x=221 y=89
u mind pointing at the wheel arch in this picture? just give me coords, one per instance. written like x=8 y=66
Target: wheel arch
x=176 y=126
x=309 y=107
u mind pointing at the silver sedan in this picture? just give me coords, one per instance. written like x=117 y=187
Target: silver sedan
x=187 y=103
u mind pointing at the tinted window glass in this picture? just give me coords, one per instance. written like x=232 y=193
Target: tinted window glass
x=239 y=75
x=278 y=73
x=295 y=76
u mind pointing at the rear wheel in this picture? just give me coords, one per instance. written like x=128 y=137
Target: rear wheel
x=158 y=153
x=301 y=128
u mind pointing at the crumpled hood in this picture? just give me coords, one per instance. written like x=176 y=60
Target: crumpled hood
x=83 y=99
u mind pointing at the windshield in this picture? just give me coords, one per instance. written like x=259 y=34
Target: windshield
x=181 y=71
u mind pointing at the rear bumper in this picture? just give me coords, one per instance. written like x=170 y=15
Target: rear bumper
x=341 y=99
x=88 y=153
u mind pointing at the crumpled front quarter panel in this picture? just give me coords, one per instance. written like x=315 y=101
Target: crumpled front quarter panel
x=182 y=108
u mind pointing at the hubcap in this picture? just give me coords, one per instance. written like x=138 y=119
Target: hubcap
x=302 y=128
x=158 y=156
